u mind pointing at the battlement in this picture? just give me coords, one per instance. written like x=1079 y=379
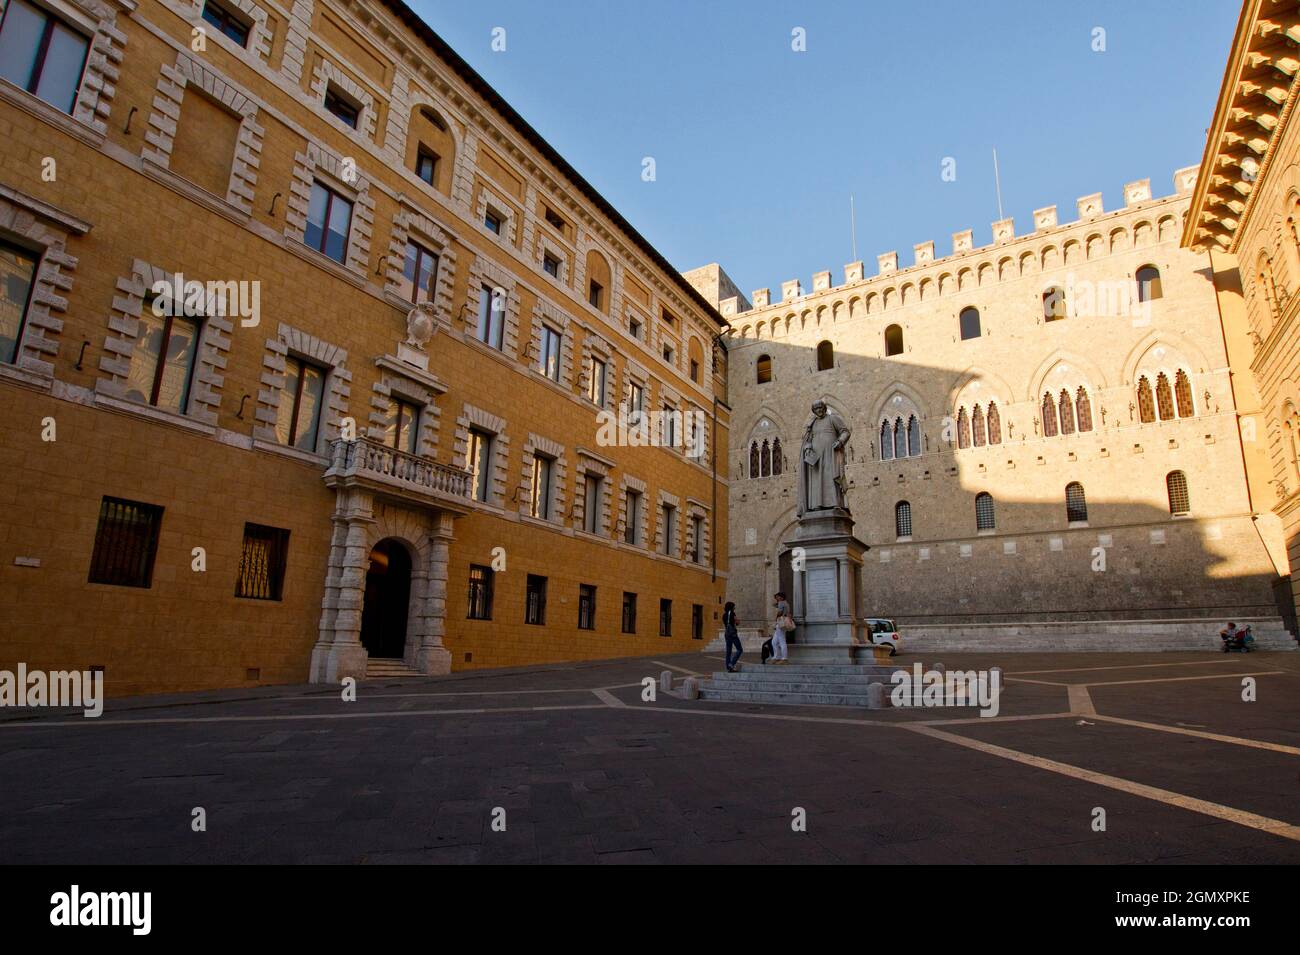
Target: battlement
x=1136 y=194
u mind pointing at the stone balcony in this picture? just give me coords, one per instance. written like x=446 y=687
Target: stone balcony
x=366 y=464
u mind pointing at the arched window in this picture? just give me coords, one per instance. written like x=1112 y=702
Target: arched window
x=1049 y=416
x=902 y=519
x=969 y=319
x=763 y=370
x=825 y=356
x=894 y=340
x=1054 y=304
x=1067 y=413
x=765 y=459
x=1176 y=485
x=1083 y=409
x=913 y=436
x=1076 y=505
x=1267 y=283
x=1164 y=397
x=995 y=424
x=984 y=520
x=900 y=439
x=963 y=429
x=753 y=459
x=1183 y=394
x=776 y=456
x=978 y=434
x=1146 y=404
x=1148 y=283
x=886 y=441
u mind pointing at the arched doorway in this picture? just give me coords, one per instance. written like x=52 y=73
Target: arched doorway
x=388 y=595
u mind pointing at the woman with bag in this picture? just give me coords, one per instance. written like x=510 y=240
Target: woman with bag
x=784 y=622
x=732 y=636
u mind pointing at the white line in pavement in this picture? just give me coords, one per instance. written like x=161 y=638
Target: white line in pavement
x=1183 y=679
x=1126 y=666
x=977 y=720
x=1251 y=820
x=669 y=666
x=1081 y=700
x=609 y=698
x=1219 y=737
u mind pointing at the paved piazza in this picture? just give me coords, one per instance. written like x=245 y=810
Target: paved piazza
x=585 y=771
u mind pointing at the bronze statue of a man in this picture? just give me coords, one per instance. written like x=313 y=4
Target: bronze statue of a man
x=821 y=461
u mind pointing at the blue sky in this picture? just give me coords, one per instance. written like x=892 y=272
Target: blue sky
x=757 y=147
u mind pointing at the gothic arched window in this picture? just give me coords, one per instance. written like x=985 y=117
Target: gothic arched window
x=1146 y=404
x=1083 y=409
x=977 y=427
x=984 y=517
x=753 y=459
x=765 y=459
x=1067 y=413
x=963 y=429
x=900 y=439
x=913 y=436
x=1076 y=505
x=776 y=456
x=886 y=441
x=995 y=424
x=1179 y=500
x=1164 y=397
x=902 y=519
x=1183 y=394
x=1049 y=416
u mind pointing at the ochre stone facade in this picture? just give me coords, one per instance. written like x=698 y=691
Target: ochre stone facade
x=1246 y=215
x=1044 y=428
x=205 y=160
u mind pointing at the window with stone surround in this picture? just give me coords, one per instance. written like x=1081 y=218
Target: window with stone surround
x=234 y=26
x=984 y=515
x=542 y=479
x=491 y=312
x=421 y=263
x=17 y=279
x=344 y=98
x=482 y=448
x=304 y=392
x=329 y=222
x=1180 y=502
x=299 y=415
x=903 y=520
x=419 y=274
x=321 y=181
x=1076 y=504
x=551 y=343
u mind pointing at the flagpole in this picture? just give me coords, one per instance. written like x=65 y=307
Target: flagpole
x=997 y=181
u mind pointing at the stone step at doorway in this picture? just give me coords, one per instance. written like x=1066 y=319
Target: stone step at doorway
x=380 y=668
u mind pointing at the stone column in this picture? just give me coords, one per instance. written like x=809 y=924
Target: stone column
x=338 y=652
x=432 y=657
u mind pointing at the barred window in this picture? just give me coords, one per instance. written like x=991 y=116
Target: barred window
x=1183 y=394
x=629 y=612
x=903 y=519
x=535 y=600
x=480 y=592
x=262 y=562
x=126 y=542
x=1146 y=403
x=586 y=607
x=1179 y=500
x=665 y=617
x=984 y=520
x=1076 y=505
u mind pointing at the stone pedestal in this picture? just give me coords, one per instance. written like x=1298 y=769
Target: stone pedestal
x=826 y=591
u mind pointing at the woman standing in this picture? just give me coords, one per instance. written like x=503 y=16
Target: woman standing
x=781 y=653
x=732 y=635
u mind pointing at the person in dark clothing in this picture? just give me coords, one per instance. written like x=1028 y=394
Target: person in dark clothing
x=732 y=635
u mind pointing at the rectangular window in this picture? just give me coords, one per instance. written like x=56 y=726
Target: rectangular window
x=540 y=502
x=596 y=382
x=480 y=462
x=591 y=504
x=635 y=402
x=670 y=416
x=586 y=607
x=668 y=521
x=42 y=54
x=594 y=294
x=665 y=617
x=668 y=317
x=697 y=539
x=329 y=221
x=426 y=165
x=553 y=219
x=551 y=265
x=341 y=106
x=535 y=600
x=262 y=562
x=226 y=22
x=550 y=353
x=629 y=612
x=668 y=354
x=632 y=528
x=17 y=276
x=697 y=621
x=480 y=592
x=126 y=542
x=493 y=219
x=162 y=362
x=695 y=371
x=491 y=316
x=634 y=329
x=297 y=422
x=419 y=273
x=402 y=426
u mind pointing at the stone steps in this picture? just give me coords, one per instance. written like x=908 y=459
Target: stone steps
x=388 y=669
x=819 y=698
x=796 y=684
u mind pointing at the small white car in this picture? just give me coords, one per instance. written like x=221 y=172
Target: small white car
x=883 y=633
